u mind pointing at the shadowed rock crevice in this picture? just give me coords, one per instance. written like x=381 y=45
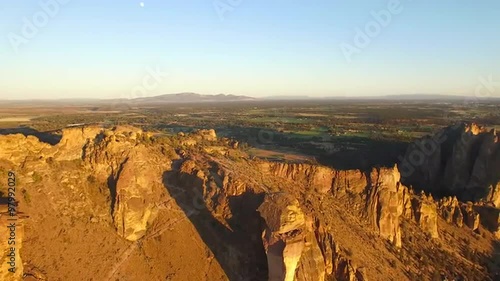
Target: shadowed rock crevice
x=45 y=137
x=112 y=179
x=235 y=242
x=366 y=153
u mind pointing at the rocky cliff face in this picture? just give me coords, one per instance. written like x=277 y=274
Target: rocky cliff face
x=379 y=196
x=284 y=235
x=386 y=203
x=336 y=263
x=16 y=148
x=298 y=247
x=462 y=161
x=74 y=139
x=138 y=189
x=133 y=172
x=469 y=214
x=490 y=218
x=239 y=219
x=426 y=215
x=318 y=178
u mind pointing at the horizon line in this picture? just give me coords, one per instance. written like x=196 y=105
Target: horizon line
x=278 y=96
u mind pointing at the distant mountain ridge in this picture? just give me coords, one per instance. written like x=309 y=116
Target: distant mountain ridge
x=160 y=99
x=191 y=97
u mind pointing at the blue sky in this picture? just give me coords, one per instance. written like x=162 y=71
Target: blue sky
x=106 y=49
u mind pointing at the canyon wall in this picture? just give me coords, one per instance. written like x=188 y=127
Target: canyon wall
x=461 y=160
x=262 y=219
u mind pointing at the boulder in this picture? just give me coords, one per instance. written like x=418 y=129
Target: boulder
x=208 y=135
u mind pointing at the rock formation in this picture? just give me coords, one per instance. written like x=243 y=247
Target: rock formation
x=73 y=140
x=349 y=182
x=284 y=235
x=16 y=148
x=489 y=218
x=198 y=137
x=134 y=174
x=426 y=214
x=251 y=218
x=462 y=160
x=449 y=209
x=337 y=265
x=318 y=178
x=379 y=196
x=138 y=189
x=385 y=203
x=299 y=248
x=471 y=217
